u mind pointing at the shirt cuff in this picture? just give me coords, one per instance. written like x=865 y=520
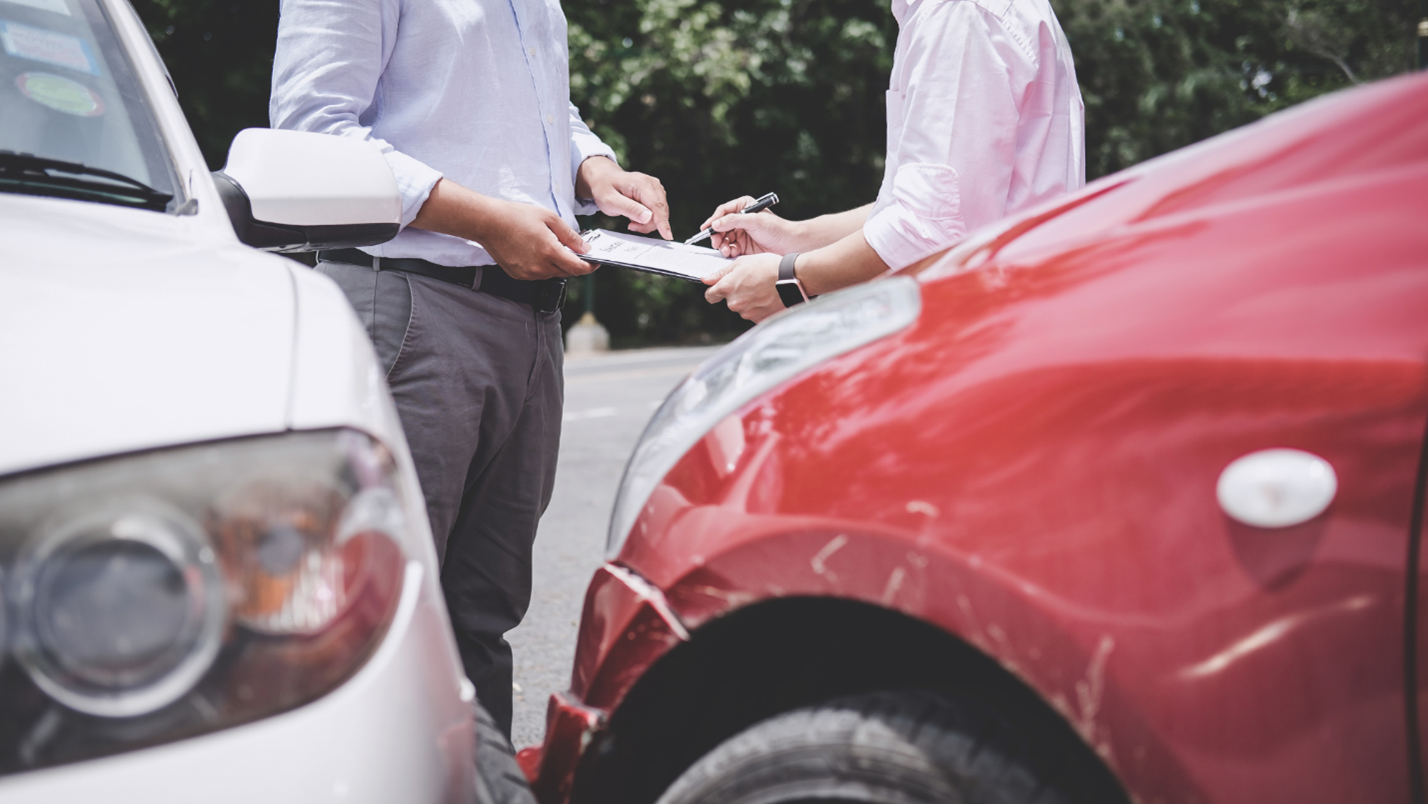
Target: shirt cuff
x=414 y=181
x=921 y=216
x=584 y=145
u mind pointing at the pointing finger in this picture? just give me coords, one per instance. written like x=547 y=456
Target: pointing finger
x=652 y=194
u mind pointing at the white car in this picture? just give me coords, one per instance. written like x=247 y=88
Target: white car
x=218 y=579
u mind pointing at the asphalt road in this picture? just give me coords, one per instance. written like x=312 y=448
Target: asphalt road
x=608 y=400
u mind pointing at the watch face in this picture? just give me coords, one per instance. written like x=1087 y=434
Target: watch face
x=790 y=293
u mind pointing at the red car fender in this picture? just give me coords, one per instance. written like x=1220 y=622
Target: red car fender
x=1032 y=467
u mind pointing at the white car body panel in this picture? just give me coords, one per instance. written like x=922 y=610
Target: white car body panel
x=265 y=346
x=125 y=330
x=122 y=334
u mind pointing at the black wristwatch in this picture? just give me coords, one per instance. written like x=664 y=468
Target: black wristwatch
x=790 y=290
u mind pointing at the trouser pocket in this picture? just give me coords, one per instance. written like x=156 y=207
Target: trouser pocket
x=392 y=315
x=383 y=303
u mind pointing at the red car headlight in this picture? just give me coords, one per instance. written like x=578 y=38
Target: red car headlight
x=788 y=344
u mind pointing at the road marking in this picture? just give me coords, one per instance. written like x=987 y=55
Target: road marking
x=627 y=375
x=636 y=356
x=593 y=413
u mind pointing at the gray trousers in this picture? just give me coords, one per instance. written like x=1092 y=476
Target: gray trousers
x=479 y=387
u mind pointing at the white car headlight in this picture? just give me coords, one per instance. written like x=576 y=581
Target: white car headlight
x=156 y=596
x=762 y=358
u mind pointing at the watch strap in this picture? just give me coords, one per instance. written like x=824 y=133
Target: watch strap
x=790 y=292
x=785 y=266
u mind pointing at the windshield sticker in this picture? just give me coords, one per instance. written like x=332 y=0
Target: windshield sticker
x=57 y=6
x=38 y=44
x=61 y=94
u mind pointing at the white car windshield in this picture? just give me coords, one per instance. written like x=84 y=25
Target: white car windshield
x=74 y=120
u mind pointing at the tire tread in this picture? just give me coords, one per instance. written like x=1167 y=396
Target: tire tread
x=905 y=747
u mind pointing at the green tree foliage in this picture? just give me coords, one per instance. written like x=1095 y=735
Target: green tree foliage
x=1157 y=75
x=721 y=98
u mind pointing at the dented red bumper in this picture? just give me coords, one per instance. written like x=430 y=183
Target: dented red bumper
x=626 y=626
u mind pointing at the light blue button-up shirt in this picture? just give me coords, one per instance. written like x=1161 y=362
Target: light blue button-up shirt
x=477 y=91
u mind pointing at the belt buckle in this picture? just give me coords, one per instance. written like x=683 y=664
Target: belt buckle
x=552 y=295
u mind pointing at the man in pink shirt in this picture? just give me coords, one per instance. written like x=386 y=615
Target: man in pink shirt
x=984 y=119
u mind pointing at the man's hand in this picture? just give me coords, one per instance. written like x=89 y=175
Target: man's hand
x=737 y=235
x=748 y=286
x=619 y=192
x=529 y=242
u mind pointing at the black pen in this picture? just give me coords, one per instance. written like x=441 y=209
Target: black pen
x=758 y=206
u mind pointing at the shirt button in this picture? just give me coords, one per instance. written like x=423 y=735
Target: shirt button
x=532 y=51
x=550 y=118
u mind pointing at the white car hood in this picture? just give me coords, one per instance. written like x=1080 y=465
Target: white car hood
x=126 y=330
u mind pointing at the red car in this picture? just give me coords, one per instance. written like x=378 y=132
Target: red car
x=1120 y=501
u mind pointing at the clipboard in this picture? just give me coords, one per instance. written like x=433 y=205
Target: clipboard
x=651 y=255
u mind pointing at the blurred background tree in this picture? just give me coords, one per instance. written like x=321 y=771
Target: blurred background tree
x=720 y=98
x=1160 y=74
x=220 y=55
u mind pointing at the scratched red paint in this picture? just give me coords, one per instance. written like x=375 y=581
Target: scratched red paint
x=1032 y=466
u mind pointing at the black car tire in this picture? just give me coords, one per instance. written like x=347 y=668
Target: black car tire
x=499 y=779
x=888 y=748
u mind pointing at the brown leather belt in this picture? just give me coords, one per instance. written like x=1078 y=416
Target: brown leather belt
x=544 y=295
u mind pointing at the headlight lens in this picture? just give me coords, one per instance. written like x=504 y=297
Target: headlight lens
x=762 y=358
x=121 y=610
x=163 y=595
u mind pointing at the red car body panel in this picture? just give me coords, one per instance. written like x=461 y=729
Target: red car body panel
x=1032 y=465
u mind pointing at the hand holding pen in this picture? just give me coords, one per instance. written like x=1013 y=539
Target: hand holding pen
x=722 y=221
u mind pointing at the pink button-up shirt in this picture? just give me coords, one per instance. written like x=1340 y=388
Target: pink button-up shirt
x=984 y=119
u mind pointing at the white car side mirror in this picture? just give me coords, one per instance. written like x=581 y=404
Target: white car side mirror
x=300 y=191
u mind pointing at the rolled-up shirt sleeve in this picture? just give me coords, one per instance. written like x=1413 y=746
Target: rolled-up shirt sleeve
x=329 y=58
x=583 y=145
x=953 y=160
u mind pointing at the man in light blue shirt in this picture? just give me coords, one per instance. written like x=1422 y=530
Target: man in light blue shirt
x=470 y=102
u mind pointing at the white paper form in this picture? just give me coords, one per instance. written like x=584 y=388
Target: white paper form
x=649 y=254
